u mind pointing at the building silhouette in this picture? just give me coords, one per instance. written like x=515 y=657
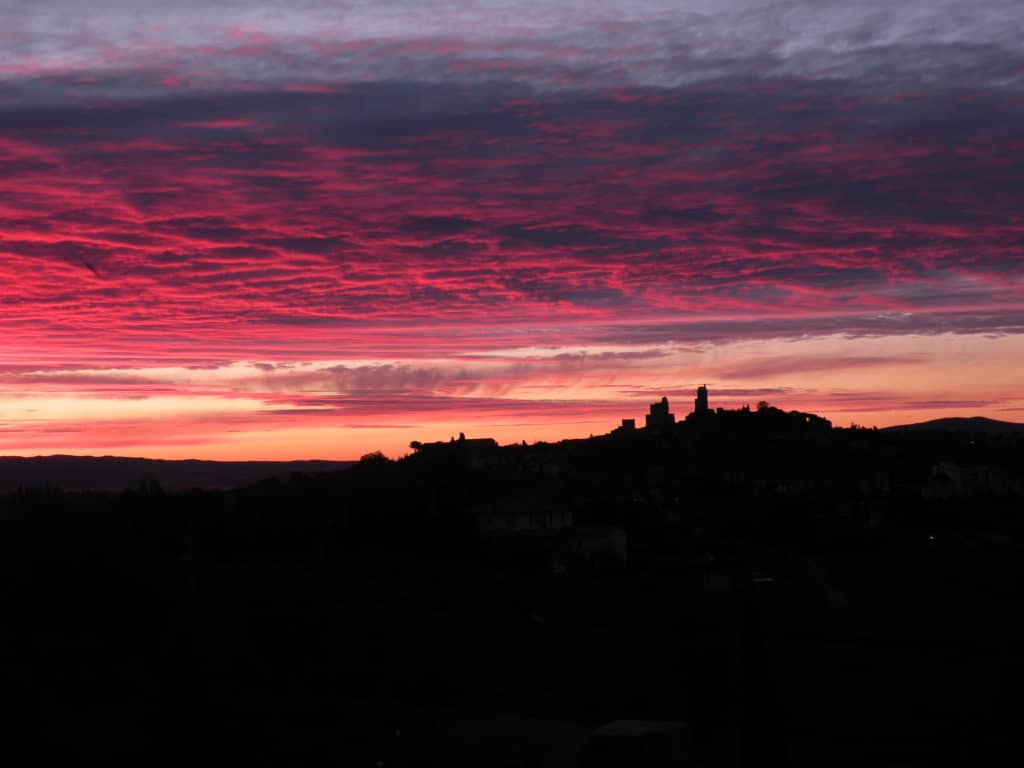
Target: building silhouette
x=700 y=405
x=659 y=418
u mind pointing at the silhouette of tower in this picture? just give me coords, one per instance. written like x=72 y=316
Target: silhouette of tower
x=700 y=405
x=659 y=418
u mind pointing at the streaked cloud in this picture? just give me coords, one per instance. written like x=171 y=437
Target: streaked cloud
x=368 y=199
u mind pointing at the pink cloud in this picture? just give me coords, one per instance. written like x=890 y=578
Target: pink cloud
x=409 y=222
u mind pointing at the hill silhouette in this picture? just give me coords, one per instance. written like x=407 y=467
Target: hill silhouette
x=115 y=473
x=977 y=425
x=777 y=590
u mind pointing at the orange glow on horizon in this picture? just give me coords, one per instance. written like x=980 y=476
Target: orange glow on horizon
x=339 y=411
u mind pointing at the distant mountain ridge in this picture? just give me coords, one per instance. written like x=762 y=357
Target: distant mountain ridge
x=976 y=425
x=114 y=473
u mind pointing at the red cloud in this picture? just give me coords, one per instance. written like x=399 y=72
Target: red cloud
x=348 y=225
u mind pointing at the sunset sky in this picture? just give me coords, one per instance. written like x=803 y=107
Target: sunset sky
x=244 y=230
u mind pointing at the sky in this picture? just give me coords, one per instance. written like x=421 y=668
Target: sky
x=237 y=230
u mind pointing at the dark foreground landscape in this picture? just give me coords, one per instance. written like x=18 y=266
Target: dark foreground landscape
x=744 y=588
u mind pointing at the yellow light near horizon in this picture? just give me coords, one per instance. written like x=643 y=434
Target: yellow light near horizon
x=253 y=410
x=71 y=408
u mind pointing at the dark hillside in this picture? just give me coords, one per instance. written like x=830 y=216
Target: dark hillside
x=976 y=425
x=112 y=473
x=796 y=594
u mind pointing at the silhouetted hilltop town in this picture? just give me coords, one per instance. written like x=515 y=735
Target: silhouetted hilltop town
x=733 y=588
x=766 y=419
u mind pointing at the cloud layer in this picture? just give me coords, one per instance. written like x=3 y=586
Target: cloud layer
x=397 y=199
